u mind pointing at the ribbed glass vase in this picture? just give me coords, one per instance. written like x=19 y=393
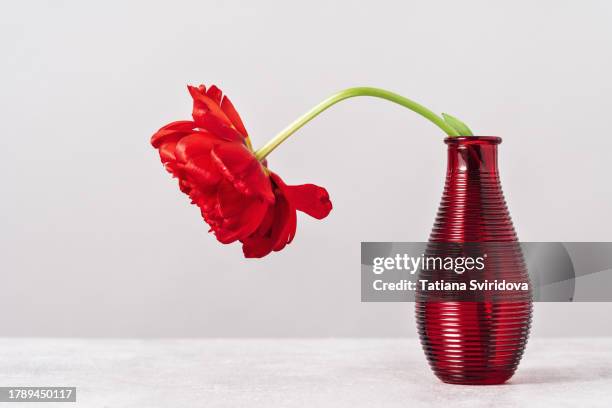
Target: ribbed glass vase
x=474 y=337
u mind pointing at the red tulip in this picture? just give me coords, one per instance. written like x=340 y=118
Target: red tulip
x=239 y=197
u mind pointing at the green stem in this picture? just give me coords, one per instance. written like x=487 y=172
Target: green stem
x=351 y=93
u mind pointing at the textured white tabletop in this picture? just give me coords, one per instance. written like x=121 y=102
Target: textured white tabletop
x=296 y=373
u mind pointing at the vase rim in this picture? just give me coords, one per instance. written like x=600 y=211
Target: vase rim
x=473 y=139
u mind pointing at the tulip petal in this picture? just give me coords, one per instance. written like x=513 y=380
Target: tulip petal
x=232 y=114
x=276 y=230
x=259 y=244
x=310 y=199
x=285 y=224
x=256 y=246
x=216 y=127
x=172 y=132
x=231 y=201
x=206 y=199
x=167 y=152
x=252 y=217
x=241 y=215
x=193 y=154
x=180 y=125
x=238 y=164
x=215 y=94
x=201 y=172
x=203 y=104
x=196 y=144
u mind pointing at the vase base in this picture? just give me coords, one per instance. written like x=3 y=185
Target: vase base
x=494 y=379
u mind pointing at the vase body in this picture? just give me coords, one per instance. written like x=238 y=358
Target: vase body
x=474 y=338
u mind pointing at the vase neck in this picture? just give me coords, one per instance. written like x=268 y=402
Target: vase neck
x=473 y=208
x=472 y=154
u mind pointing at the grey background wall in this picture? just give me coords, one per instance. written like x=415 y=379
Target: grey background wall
x=96 y=239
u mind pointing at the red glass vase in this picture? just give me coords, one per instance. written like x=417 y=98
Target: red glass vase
x=478 y=339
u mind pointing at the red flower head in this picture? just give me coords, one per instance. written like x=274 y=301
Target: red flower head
x=239 y=197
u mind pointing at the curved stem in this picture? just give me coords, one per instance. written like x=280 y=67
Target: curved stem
x=351 y=93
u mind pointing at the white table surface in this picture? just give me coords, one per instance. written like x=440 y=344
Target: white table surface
x=295 y=373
